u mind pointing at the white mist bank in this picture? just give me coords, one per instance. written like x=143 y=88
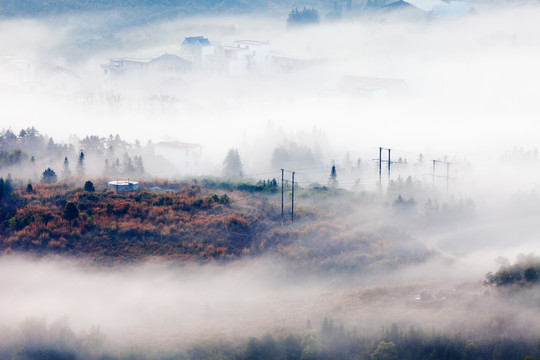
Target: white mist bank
x=163 y=306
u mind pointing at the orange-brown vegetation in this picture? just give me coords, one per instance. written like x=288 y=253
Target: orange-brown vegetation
x=188 y=222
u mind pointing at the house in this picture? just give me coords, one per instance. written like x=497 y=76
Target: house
x=258 y=51
x=196 y=49
x=123 y=185
x=184 y=157
x=170 y=64
x=228 y=60
x=245 y=56
x=63 y=81
x=143 y=73
x=124 y=70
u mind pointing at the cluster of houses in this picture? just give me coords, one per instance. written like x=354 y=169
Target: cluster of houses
x=199 y=55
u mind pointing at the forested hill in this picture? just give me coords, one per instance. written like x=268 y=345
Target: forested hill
x=194 y=222
x=163 y=8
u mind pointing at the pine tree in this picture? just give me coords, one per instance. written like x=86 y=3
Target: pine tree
x=232 y=166
x=332 y=180
x=66 y=171
x=48 y=176
x=80 y=165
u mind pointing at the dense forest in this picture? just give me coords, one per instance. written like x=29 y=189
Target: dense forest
x=153 y=9
x=38 y=340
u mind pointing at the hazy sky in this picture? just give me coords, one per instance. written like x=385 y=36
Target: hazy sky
x=469 y=83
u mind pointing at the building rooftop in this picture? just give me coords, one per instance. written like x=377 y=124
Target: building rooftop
x=122 y=182
x=196 y=40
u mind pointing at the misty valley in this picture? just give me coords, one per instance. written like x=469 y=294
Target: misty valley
x=351 y=179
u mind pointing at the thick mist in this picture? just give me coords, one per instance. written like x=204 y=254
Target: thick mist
x=458 y=91
x=164 y=307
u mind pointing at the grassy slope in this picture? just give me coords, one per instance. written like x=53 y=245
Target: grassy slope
x=190 y=223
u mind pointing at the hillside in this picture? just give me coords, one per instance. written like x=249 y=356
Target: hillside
x=191 y=221
x=149 y=9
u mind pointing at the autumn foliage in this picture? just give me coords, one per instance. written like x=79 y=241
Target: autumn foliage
x=187 y=221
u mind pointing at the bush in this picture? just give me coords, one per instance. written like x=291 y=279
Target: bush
x=89 y=186
x=70 y=211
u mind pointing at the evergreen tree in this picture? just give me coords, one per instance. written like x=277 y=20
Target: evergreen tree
x=106 y=168
x=66 y=171
x=139 y=166
x=2 y=189
x=385 y=351
x=48 y=176
x=70 y=211
x=89 y=186
x=306 y=16
x=232 y=166
x=80 y=165
x=332 y=180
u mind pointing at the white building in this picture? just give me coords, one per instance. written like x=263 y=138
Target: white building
x=228 y=60
x=123 y=185
x=258 y=51
x=143 y=73
x=63 y=81
x=125 y=70
x=196 y=49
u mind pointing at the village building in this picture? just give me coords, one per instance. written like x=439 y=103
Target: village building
x=123 y=185
x=196 y=49
x=63 y=81
x=143 y=73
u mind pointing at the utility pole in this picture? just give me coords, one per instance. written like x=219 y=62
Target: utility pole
x=389 y=162
x=447 y=177
x=380 y=169
x=433 y=175
x=447 y=174
x=282 y=197
x=292 y=207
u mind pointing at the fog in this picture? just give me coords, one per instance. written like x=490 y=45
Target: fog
x=159 y=306
x=467 y=89
x=458 y=90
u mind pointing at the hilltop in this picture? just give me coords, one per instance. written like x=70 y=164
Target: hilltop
x=199 y=221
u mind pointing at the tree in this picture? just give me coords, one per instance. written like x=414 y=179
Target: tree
x=232 y=166
x=48 y=176
x=89 y=186
x=332 y=180
x=139 y=166
x=385 y=351
x=80 y=165
x=311 y=345
x=306 y=16
x=66 y=172
x=70 y=211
